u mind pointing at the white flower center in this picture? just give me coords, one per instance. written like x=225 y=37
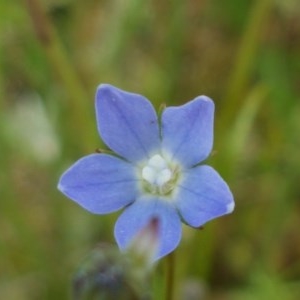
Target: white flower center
x=156 y=172
x=159 y=176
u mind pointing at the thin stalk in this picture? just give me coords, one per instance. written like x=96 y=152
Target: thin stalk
x=174 y=41
x=247 y=51
x=79 y=107
x=1 y=83
x=170 y=276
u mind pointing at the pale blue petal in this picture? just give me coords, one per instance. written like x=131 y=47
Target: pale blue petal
x=187 y=131
x=100 y=183
x=203 y=195
x=138 y=215
x=127 y=123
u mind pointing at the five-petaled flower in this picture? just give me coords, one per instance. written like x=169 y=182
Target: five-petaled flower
x=156 y=172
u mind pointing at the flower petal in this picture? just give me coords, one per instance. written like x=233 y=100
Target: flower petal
x=203 y=195
x=100 y=183
x=187 y=130
x=138 y=215
x=127 y=123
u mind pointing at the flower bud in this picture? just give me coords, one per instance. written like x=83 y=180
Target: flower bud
x=144 y=246
x=108 y=274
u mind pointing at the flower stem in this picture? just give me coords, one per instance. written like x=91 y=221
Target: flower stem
x=246 y=55
x=78 y=103
x=170 y=276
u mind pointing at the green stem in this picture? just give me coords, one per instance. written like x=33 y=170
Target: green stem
x=170 y=275
x=244 y=63
x=2 y=91
x=174 y=41
x=79 y=107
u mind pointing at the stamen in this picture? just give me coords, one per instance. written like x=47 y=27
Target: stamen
x=163 y=177
x=149 y=174
x=157 y=172
x=157 y=162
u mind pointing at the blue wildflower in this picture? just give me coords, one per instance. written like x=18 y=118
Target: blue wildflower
x=156 y=172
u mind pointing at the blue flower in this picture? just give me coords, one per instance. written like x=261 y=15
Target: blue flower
x=156 y=172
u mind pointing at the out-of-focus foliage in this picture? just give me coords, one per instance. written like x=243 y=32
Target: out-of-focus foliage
x=243 y=54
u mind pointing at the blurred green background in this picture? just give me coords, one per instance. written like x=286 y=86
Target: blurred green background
x=244 y=54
